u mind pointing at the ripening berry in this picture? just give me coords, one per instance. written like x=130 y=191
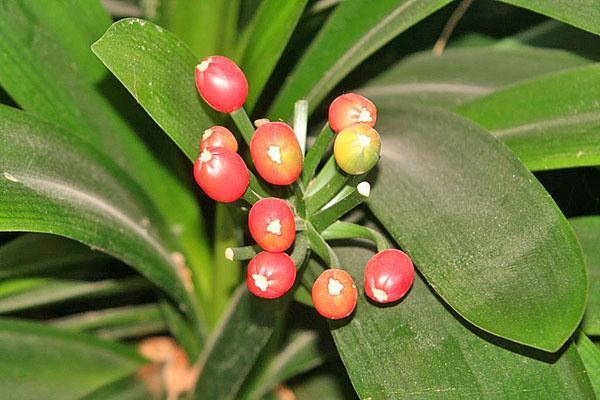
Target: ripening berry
x=334 y=294
x=356 y=149
x=270 y=275
x=388 y=276
x=276 y=153
x=218 y=136
x=221 y=83
x=351 y=109
x=222 y=174
x=272 y=224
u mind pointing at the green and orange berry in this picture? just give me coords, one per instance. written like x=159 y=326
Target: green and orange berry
x=334 y=294
x=351 y=109
x=356 y=149
x=276 y=153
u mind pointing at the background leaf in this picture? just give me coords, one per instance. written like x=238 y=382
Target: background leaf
x=583 y=14
x=590 y=355
x=351 y=34
x=42 y=362
x=587 y=230
x=460 y=75
x=481 y=229
x=417 y=349
x=549 y=122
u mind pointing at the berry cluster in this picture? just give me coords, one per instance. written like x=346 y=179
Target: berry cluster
x=278 y=159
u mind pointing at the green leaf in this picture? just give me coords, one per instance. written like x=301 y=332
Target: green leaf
x=180 y=329
x=39 y=362
x=587 y=230
x=76 y=192
x=417 y=349
x=158 y=70
x=550 y=122
x=330 y=382
x=478 y=225
x=460 y=75
x=36 y=254
x=265 y=40
x=43 y=78
x=207 y=26
x=590 y=355
x=351 y=34
x=129 y=388
x=237 y=342
x=583 y=14
x=52 y=291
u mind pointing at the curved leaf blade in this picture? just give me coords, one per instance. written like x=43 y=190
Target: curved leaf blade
x=481 y=229
x=583 y=14
x=587 y=230
x=353 y=32
x=417 y=349
x=461 y=75
x=78 y=193
x=42 y=362
x=590 y=355
x=550 y=122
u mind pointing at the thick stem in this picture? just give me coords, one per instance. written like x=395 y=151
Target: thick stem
x=250 y=196
x=316 y=153
x=243 y=123
x=301 y=122
x=321 y=248
x=325 y=186
x=345 y=230
x=328 y=216
x=241 y=253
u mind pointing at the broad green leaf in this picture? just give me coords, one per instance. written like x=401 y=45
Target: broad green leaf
x=300 y=354
x=75 y=38
x=36 y=254
x=43 y=78
x=583 y=14
x=107 y=318
x=460 y=75
x=207 y=26
x=590 y=355
x=587 y=230
x=417 y=349
x=485 y=234
x=129 y=388
x=180 y=329
x=330 y=382
x=265 y=40
x=236 y=344
x=52 y=291
x=76 y=192
x=549 y=122
x=158 y=70
x=39 y=362
x=353 y=32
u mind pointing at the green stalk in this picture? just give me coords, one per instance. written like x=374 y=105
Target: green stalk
x=328 y=216
x=250 y=196
x=301 y=122
x=243 y=123
x=316 y=153
x=241 y=253
x=325 y=186
x=345 y=230
x=321 y=248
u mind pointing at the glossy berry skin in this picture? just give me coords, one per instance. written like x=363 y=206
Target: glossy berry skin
x=276 y=153
x=222 y=174
x=272 y=224
x=351 y=109
x=388 y=276
x=270 y=275
x=218 y=136
x=356 y=149
x=221 y=83
x=334 y=294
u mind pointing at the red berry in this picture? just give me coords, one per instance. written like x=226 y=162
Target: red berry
x=334 y=294
x=222 y=174
x=221 y=83
x=218 y=136
x=271 y=275
x=350 y=109
x=272 y=224
x=276 y=153
x=388 y=276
